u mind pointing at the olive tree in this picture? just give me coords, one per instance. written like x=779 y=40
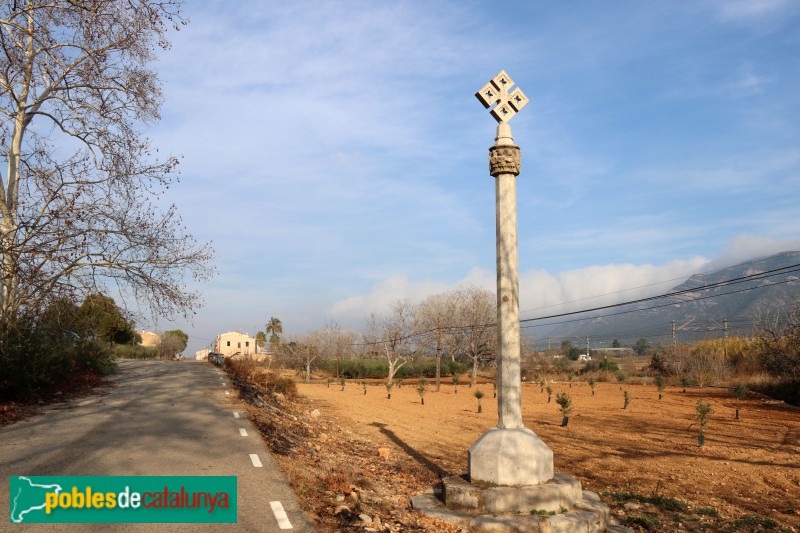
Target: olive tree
x=79 y=195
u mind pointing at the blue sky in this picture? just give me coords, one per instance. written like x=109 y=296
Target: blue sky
x=335 y=154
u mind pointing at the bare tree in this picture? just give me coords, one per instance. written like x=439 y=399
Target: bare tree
x=477 y=327
x=335 y=342
x=393 y=334
x=77 y=201
x=777 y=341
x=437 y=316
x=302 y=350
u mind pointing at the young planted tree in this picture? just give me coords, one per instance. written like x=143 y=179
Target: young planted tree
x=422 y=388
x=702 y=414
x=565 y=406
x=456 y=380
x=660 y=383
x=342 y=382
x=549 y=393
x=592 y=382
x=79 y=198
x=479 y=394
x=739 y=392
x=626 y=399
x=364 y=385
x=541 y=385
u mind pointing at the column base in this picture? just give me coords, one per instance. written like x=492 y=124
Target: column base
x=509 y=457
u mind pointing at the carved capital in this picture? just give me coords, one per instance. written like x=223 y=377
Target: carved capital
x=504 y=160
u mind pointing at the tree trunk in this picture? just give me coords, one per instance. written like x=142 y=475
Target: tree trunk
x=438 y=362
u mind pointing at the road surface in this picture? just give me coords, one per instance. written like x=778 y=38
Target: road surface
x=158 y=418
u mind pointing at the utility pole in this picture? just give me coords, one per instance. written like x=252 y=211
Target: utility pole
x=587 y=345
x=673 y=334
x=548 y=345
x=725 y=340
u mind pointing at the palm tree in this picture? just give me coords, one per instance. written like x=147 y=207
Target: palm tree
x=274 y=328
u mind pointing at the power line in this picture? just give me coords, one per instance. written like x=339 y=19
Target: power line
x=734 y=281
x=638 y=287
x=742 y=279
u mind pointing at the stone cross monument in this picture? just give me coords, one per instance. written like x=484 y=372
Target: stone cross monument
x=510 y=468
x=510 y=454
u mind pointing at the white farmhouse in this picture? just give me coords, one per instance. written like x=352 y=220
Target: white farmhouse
x=237 y=345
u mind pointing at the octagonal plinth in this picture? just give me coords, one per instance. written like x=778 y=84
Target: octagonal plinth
x=561 y=492
x=510 y=457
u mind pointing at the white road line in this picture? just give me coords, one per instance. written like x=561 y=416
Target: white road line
x=235 y=414
x=280 y=515
x=255 y=460
x=242 y=432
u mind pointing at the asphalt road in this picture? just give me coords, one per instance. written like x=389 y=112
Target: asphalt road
x=158 y=418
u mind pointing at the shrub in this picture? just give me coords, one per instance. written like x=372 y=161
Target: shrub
x=787 y=390
x=135 y=351
x=608 y=365
x=36 y=359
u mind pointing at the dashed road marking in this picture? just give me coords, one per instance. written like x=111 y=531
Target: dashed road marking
x=255 y=460
x=280 y=515
x=242 y=432
x=235 y=414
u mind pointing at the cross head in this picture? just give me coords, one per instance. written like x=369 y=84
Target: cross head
x=496 y=92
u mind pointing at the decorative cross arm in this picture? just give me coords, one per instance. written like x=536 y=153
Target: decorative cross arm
x=496 y=92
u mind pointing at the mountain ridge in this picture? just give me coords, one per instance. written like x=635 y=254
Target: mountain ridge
x=706 y=305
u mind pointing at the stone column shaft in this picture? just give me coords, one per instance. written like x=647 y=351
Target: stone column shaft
x=504 y=165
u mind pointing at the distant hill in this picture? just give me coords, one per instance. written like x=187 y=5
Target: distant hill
x=701 y=308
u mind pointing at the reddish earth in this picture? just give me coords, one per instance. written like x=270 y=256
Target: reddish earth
x=745 y=478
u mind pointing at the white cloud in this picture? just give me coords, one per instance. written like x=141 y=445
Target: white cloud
x=746 y=247
x=745 y=10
